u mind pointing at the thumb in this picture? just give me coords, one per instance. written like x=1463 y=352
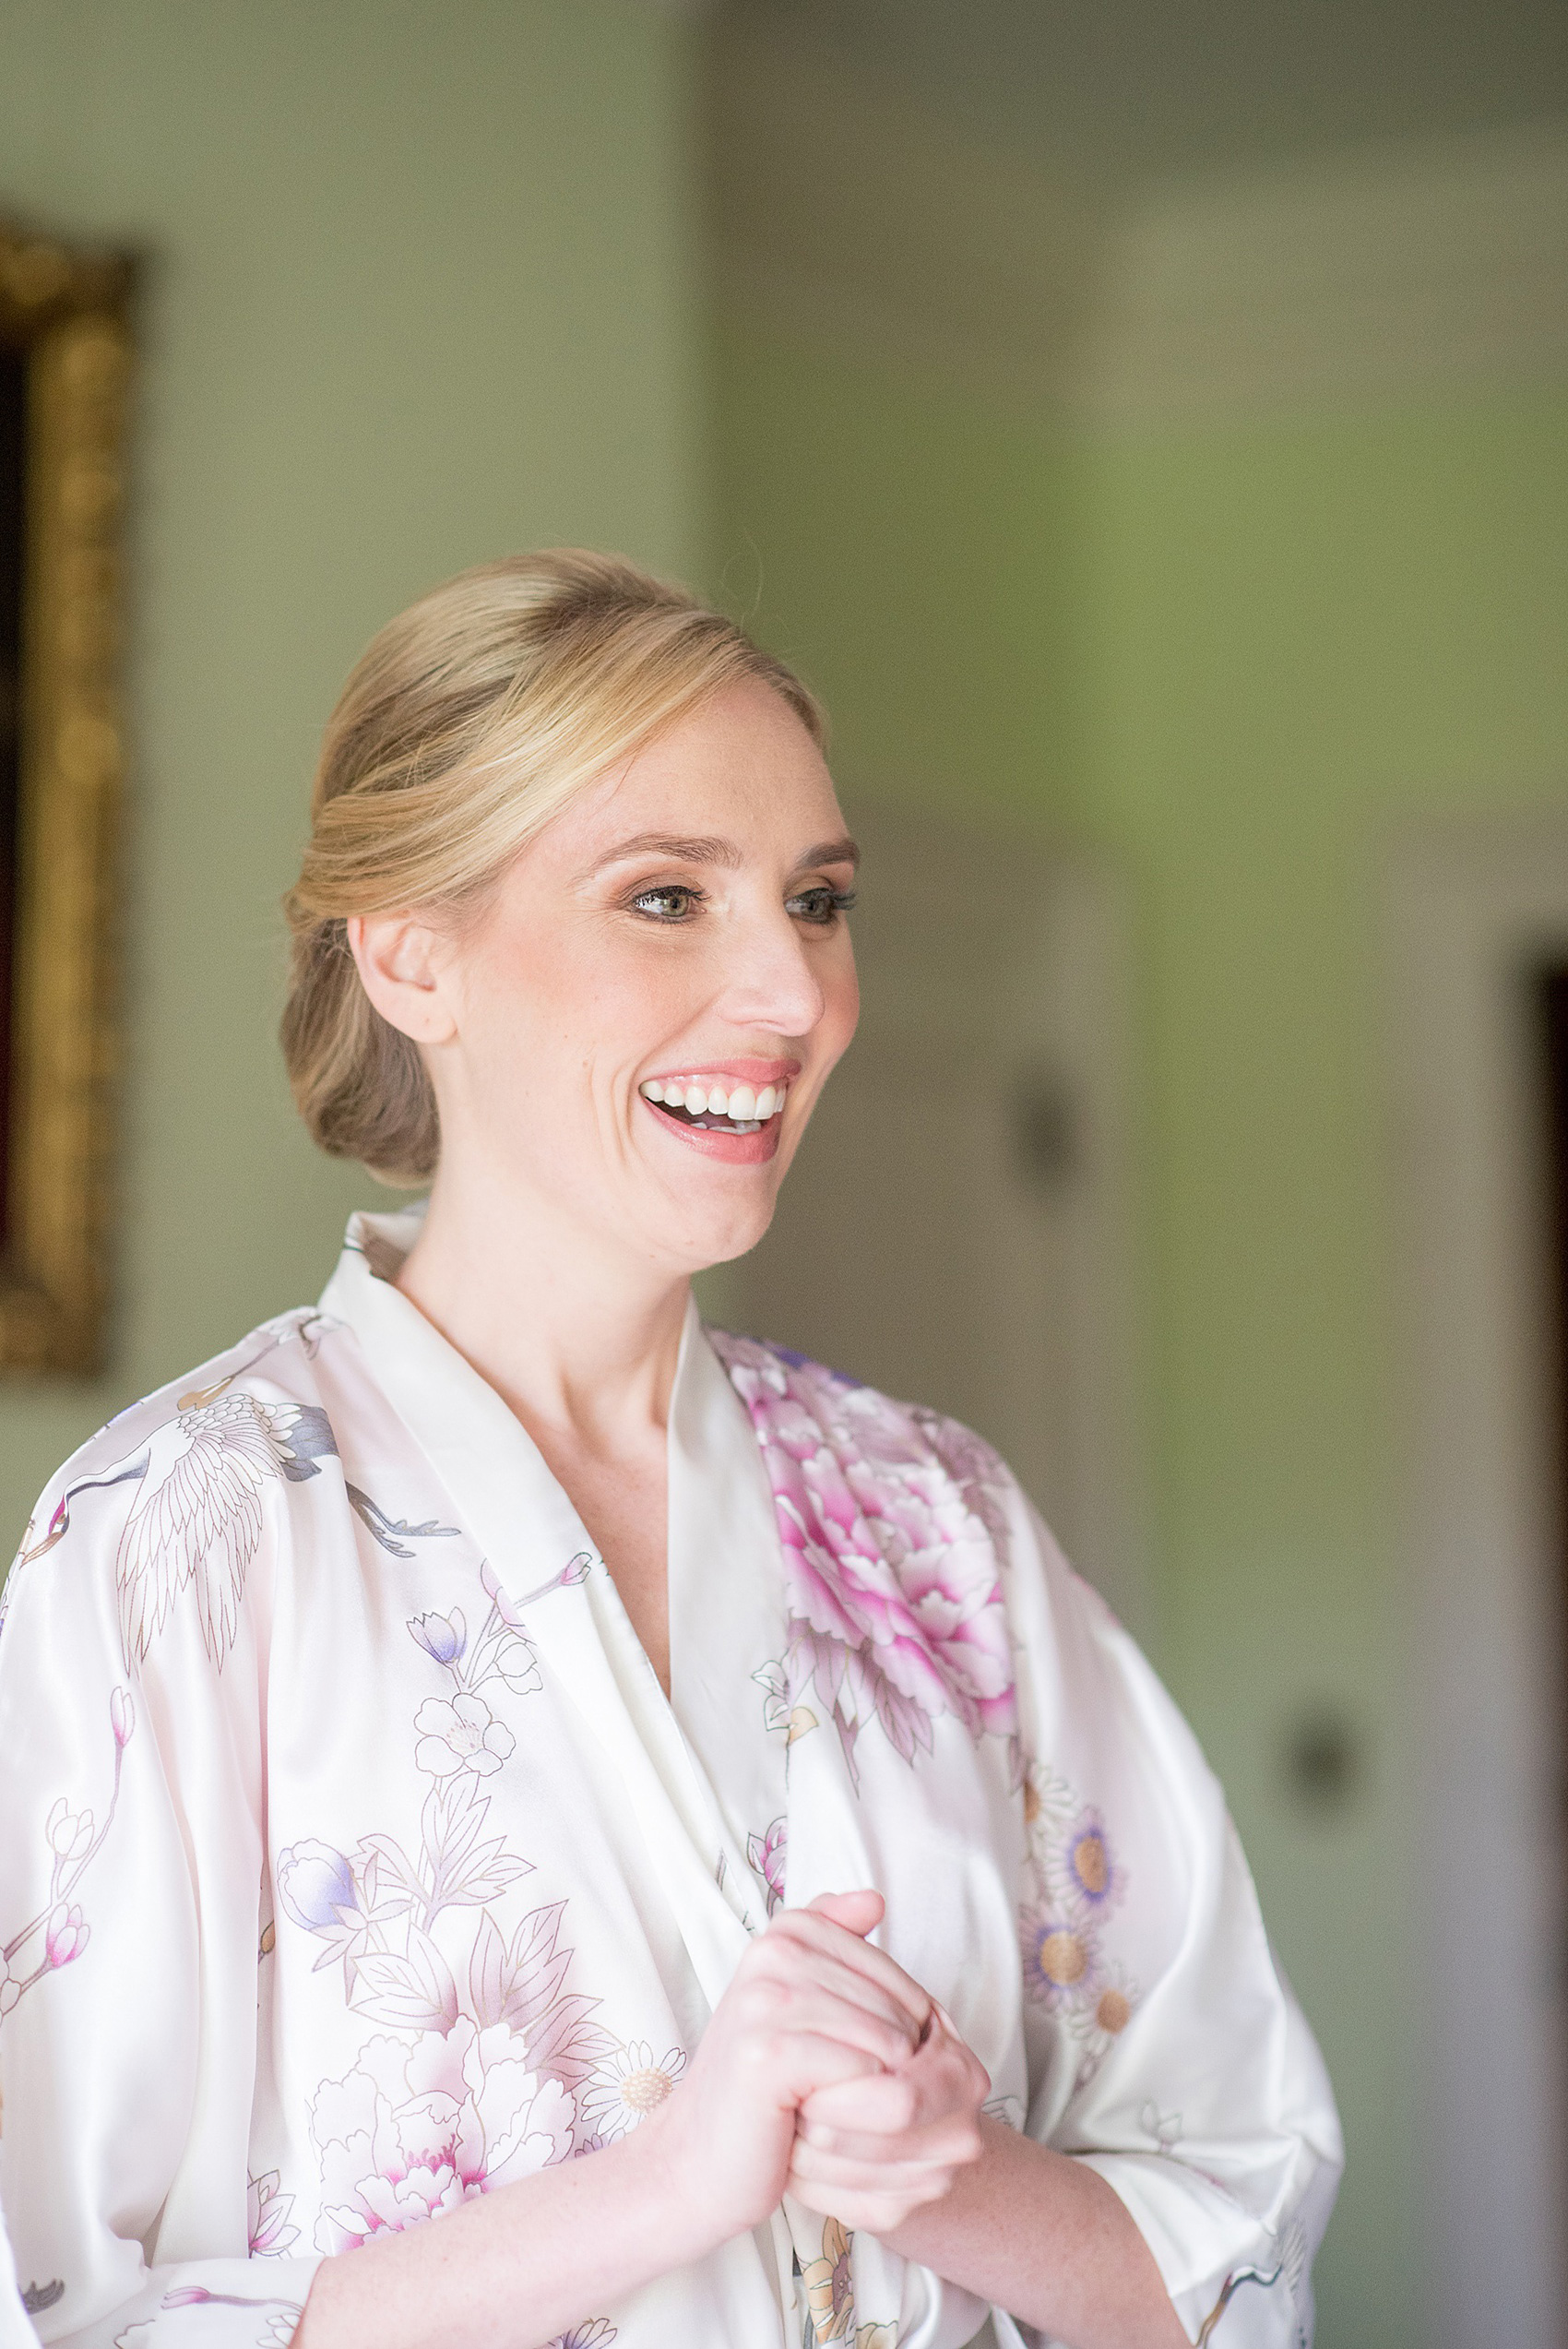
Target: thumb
x=858 y=1913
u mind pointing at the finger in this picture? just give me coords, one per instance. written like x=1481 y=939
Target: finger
x=955 y=2141
x=858 y=1913
x=910 y=2095
x=889 y=2105
x=793 y=1964
x=813 y=1929
x=773 y=2011
x=802 y=2061
x=813 y=2167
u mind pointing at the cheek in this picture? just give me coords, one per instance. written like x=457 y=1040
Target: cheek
x=841 y=1004
x=573 y=1000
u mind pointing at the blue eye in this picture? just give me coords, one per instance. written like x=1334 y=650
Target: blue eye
x=820 y=906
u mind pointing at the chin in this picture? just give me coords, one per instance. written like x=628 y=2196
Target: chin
x=704 y=1243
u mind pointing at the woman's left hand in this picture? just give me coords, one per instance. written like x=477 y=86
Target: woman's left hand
x=868 y=2151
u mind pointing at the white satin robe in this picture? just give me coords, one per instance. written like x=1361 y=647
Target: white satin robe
x=352 y=1861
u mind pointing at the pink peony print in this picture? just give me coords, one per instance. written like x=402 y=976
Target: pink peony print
x=412 y=2131
x=893 y=1533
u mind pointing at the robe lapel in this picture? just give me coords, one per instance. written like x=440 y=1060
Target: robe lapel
x=726 y=1613
x=537 y=1546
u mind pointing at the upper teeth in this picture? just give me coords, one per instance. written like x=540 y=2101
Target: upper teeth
x=702 y=1097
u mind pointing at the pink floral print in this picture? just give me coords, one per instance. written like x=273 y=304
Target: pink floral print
x=890 y=1523
x=58 y=1934
x=411 y=2131
x=768 y=1854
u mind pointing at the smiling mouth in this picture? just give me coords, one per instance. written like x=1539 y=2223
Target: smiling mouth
x=714 y=1109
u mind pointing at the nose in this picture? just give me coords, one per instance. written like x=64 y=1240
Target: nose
x=772 y=982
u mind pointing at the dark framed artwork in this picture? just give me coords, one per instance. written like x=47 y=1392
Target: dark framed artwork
x=66 y=355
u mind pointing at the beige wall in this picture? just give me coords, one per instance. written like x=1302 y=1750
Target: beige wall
x=419 y=289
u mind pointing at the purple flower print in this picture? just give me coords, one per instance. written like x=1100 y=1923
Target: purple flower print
x=1093 y=1879
x=890 y=1532
x=67 y=1935
x=462 y=1734
x=766 y=1853
x=442 y=1636
x=315 y=1884
x=1060 y=1961
x=278 y=2330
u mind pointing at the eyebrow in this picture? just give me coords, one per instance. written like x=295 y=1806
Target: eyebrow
x=711 y=851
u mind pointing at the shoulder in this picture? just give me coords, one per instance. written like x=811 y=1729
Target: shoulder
x=276 y=1364
x=790 y=1397
x=802 y=1412
x=187 y=1464
x=897 y=1527
x=859 y=1474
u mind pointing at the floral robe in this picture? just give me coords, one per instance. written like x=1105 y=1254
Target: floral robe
x=352 y=1861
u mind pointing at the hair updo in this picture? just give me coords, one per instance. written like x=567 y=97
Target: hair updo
x=466 y=725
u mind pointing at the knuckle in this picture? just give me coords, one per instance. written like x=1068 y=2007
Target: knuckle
x=765 y=2001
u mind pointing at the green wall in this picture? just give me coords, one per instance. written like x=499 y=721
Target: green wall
x=1238 y=659
x=1299 y=640
x=420 y=291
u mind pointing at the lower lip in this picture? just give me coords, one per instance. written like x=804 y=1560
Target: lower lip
x=734 y=1149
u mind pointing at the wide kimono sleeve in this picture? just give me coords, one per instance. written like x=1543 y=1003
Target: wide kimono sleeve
x=131 y=1864
x=1165 y=2047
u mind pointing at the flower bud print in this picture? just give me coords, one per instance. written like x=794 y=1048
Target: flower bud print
x=314 y=1883
x=442 y=1636
x=69 y=1831
x=66 y=1936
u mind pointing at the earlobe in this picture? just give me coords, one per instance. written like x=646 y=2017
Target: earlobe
x=402 y=973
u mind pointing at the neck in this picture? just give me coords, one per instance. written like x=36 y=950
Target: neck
x=577 y=1334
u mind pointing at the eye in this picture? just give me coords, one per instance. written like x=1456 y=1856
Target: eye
x=670 y=901
x=820 y=906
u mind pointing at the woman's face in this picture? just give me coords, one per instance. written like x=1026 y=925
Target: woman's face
x=639 y=1026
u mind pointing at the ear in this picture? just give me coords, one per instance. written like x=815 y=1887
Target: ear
x=401 y=964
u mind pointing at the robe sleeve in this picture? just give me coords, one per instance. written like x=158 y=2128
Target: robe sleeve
x=131 y=1857
x=1166 y=2049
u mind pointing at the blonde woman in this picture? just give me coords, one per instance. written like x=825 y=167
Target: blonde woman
x=528 y=1820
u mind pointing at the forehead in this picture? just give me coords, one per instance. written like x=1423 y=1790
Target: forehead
x=740 y=765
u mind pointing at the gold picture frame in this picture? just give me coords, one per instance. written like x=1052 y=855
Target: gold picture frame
x=65 y=361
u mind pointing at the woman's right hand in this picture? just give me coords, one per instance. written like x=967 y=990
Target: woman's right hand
x=812 y=2004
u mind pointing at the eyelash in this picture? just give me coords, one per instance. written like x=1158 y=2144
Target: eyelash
x=837 y=901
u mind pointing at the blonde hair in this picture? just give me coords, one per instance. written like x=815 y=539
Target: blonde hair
x=466 y=725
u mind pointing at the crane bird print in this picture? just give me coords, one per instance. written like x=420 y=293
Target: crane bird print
x=198 y=1517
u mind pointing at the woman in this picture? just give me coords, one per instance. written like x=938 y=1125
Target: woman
x=488 y=1747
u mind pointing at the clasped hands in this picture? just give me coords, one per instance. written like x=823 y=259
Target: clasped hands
x=826 y=2073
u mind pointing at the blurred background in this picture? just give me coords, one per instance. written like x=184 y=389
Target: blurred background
x=1146 y=426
